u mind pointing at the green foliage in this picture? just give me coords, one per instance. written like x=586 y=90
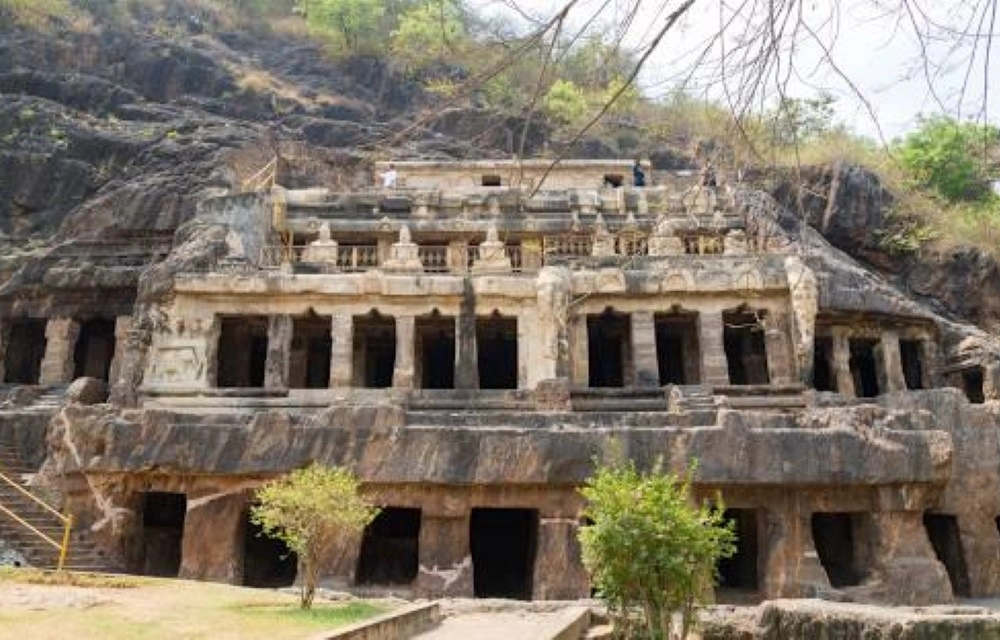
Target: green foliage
x=649 y=550
x=310 y=510
x=354 y=24
x=565 y=102
x=428 y=32
x=948 y=156
x=35 y=14
x=800 y=120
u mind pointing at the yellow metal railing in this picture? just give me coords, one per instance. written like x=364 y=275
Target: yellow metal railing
x=264 y=180
x=66 y=520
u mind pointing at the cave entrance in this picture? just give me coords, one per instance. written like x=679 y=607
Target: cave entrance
x=309 y=359
x=863 y=368
x=836 y=536
x=435 y=351
x=746 y=352
x=910 y=356
x=496 y=352
x=162 y=533
x=823 y=373
x=677 y=352
x=242 y=353
x=503 y=543
x=609 y=348
x=942 y=530
x=972 y=385
x=268 y=563
x=95 y=349
x=25 y=351
x=374 y=349
x=491 y=180
x=739 y=571
x=390 y=548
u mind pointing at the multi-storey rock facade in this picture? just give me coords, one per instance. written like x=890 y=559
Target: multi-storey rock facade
x=470 y=341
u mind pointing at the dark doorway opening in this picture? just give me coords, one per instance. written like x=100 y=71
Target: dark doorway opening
x=162 y=533
x=609 y=348
x=435 y=351
x=910 y=356
x=374 y=348
x=863 y=369
x=496 y=352
x=613 y=180
x=268 y=563
x=390 y=548
x=95 y=349
x=25 y=351
x=740 y=571
x=242 y=353
x=503 y=545
x=491 y=181
x=746 y=351
x=677 y=352
x=942 y=529
x=823 y=378
x=972 y=384
x=835 y=536
x=309 y=359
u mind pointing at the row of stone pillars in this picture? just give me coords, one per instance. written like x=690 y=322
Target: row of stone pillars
x=888 y=362
x=58 y=365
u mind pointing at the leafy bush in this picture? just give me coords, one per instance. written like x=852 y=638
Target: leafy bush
x=428 y=32
x=310 y=510
x=34 y=13
x=949 y=156
x=649 y=550
x=565 y=102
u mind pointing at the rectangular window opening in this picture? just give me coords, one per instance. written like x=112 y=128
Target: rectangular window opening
x=390 y=548
x=609 y=348
x=374 y=351
x=863 y=368
x=242 y=351
x=435 y=352
x=162 y=533
x=678 y=355
x=496 y=352
x=25 y=351
x=503 y=544
x=746 y=351
x=942 y=530
x=309 y=359
x=911 y=358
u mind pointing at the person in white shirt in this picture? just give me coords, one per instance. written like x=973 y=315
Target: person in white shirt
x=389 y=178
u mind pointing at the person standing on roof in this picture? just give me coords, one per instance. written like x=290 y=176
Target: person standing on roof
x=389 y=177
x=638 y=175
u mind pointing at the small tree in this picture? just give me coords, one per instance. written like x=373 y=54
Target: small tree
x=649 y=550
x=309 y=510
x=565 y=102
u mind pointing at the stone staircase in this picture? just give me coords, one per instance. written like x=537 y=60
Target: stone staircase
x=83 y=553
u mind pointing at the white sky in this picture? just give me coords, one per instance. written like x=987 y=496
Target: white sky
x=872 y=42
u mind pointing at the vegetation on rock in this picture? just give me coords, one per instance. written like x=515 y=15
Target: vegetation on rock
x=312 y=510
x=649 y=550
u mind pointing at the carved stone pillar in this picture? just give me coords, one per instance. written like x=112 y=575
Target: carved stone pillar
x=466 y=360
x=930 y=354
x=714 y=367
x=341 y=350
x=445 y=565
x=279 y=345
x=58 y=365
x=647 y=370
x=403 y=372
x=842 y=362
x=559 y=572
x=888 y=363
x=123 y=326
x=213 y=538
x=791 y=565
x=578 y=352
x=458 y=256
x=531 y=254
x=906 y=567
x=780 y=360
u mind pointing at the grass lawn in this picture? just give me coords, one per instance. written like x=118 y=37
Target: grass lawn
x=34 y=605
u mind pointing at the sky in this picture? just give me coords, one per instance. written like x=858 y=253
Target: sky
x=875 y=67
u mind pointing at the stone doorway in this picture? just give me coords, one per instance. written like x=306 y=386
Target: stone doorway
x=95 y=349
x=972 y=385
x=942 y=530
x=836 y=537
x=242 y=351
x=390 y=548
x=503 y=543
x=910 y=355
x=740 y=572
x=863 y=368
x=496 y=352
x=746 y=352
x=435 y=351
x=677 y=351
x=823 y=371
x=162 y=533
x=25 y=351
x=609 y=348
x=267 y=562
x=309 y=360
x=374 y=350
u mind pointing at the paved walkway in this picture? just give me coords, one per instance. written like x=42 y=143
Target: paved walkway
x=499 y=625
